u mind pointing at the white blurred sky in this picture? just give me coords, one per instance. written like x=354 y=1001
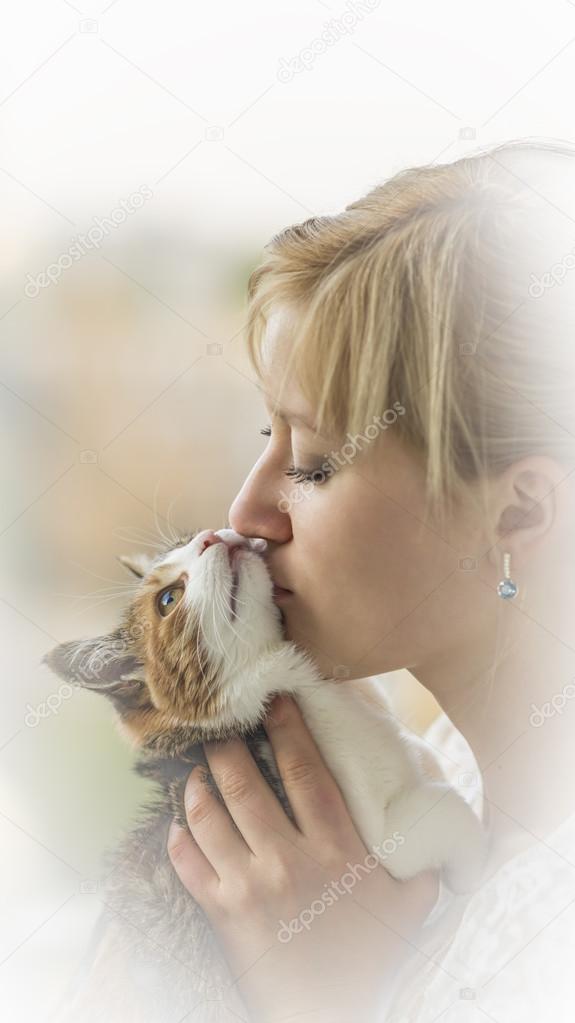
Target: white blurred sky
x=87 y=117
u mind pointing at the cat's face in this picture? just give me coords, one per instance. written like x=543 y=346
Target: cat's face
x=202 y=614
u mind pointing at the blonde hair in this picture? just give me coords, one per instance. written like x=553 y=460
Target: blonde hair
x=424 y=292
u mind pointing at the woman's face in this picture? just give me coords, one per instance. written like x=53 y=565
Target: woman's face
x=373 y=589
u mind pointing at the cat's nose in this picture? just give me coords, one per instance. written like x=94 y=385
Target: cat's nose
x=232 y=540
x=209 y=540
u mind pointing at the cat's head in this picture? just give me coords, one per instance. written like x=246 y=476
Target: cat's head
x=177 y=668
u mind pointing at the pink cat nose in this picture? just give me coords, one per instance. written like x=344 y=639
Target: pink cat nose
x=234 y=542
x=209 y=539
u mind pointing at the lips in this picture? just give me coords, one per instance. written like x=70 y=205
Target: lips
x=234 y=551
x=279 y=590
x=277 y=585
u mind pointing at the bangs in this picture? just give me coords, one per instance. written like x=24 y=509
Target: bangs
x=370 y=334
x=412 y=315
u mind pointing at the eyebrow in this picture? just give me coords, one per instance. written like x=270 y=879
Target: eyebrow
x=291 y=417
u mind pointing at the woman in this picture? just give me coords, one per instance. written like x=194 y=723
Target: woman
x=416 y=353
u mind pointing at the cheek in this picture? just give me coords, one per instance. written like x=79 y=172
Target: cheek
x=362 y=553
x=344 y=539
x=181 y=678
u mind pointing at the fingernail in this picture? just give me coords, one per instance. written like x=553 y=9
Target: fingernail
x=174 y=828
x=198 y=774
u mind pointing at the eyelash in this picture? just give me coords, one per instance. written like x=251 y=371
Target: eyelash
x=299 y=475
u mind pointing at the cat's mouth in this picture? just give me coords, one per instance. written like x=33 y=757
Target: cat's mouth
x=233 y=593
x=242 y=585
x=234 y=555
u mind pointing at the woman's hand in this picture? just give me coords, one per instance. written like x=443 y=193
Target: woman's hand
x=307 y=925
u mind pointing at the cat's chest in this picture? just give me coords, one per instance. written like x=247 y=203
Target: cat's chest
x=365 y=750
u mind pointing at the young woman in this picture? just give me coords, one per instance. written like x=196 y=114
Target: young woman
x=417 y=357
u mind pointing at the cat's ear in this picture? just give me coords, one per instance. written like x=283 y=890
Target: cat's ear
x=105 y=663
x=139 y=564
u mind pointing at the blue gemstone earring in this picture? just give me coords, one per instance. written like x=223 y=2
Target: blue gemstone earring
x=507 y=588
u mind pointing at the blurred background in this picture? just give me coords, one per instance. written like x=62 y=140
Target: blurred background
x=148 y=153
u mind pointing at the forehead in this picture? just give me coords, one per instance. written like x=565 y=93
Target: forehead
x=168 y=571
x=279 y=328
x=279 y=386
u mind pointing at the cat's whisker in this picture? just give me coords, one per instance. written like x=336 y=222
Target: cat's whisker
x=217 y=606
x=144 y=543
x=138 y=534
x=122 y=590
x=171 y=527
x=188 y=634
x=85 y=596
x=216 y=603
x=228 y=620
x=119 y=592
x=239 y=603
x=97 y=603
x=167 y=540
x=213 y=604
x=104 y=578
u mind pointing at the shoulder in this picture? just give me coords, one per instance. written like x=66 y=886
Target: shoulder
x=507 y=950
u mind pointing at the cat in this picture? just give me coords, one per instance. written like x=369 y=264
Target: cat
x=198 y=655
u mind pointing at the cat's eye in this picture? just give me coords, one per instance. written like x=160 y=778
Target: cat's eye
x=168 y=598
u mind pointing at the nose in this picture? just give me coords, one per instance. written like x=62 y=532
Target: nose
x=257 y=509
x=232 y=540
x=209 y=540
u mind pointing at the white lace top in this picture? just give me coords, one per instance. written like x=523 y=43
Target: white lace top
x=507 y=953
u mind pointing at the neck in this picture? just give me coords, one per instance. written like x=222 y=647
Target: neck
x=513 y=700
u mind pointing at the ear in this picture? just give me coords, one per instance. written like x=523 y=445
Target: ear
x=139 y=564
x=528 y=493
x=106 y=663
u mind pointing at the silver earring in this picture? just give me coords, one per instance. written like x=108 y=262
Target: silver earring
x=507 y=588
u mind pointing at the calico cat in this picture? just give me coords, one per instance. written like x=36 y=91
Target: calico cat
x=198 y=655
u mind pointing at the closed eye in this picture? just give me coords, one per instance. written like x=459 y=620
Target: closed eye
x=300 y=475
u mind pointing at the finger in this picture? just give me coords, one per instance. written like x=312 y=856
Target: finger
x=212 y=827
x=313 y=793
x=249 y=799
x=409 y=903
x=189 y=862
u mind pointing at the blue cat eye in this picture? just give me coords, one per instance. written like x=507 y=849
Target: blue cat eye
x=168 y=598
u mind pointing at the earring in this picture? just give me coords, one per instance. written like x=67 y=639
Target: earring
x=507 y=588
